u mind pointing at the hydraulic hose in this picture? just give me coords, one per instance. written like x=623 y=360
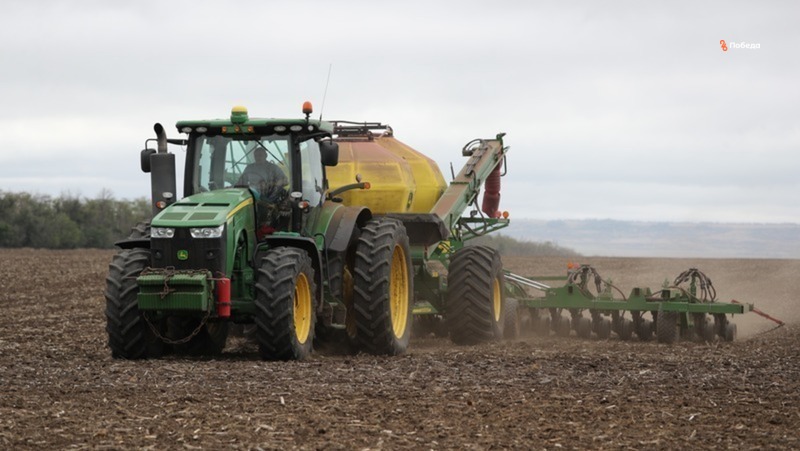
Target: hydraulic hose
x=491 y=195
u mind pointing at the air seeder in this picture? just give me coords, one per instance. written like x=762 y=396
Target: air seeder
x=353 y=244
x=344 y=249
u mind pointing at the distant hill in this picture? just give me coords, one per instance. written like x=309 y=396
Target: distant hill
x=509 y=246
x=614 y=238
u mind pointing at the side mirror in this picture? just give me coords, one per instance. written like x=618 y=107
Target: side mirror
x=144 y=159
x=329 y=152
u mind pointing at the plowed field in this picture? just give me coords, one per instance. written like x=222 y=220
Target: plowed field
x=59 y=387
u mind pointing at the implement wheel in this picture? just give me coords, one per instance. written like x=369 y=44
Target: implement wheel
x=667 y=327
x=511 y=320
x=383 y=289
x=475 y=307
x=285 y=305
x=129 y=336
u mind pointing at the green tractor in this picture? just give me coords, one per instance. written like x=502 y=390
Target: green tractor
x=261 y=241
x=247 y=250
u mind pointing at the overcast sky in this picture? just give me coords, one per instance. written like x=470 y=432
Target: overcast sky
x=622 y=110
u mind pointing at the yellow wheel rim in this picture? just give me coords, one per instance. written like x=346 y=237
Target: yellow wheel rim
x=398 y=292
x=302 y=308
x=497 y=299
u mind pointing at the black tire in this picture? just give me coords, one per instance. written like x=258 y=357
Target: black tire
x=583 y=327
x=666 y=327
x=511 y=320
x=129 y=336
x=475 y=296
x=383 y=290
x=285 y=305
x=210 y=340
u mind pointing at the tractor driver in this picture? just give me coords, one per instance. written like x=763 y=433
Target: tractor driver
x=264 y=176
x=268 y=182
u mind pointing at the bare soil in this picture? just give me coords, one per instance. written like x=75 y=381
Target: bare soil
x=60 y=388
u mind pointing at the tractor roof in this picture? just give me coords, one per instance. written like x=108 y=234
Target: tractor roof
x=239 y=121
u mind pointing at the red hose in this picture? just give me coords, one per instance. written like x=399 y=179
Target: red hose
x=491 y=195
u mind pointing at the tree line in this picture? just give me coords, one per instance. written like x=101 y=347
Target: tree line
x=67 y=221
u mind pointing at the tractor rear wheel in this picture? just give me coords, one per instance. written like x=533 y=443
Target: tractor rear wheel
x=129 y=335
x=666 y=327
x=475 y=296
x=383 y=290
x=285 y=305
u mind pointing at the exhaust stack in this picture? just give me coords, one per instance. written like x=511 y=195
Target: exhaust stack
x=162 y=173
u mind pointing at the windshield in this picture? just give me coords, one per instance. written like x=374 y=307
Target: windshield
x=226 y=161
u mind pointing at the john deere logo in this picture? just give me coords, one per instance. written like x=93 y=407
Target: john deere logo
x=183 y=255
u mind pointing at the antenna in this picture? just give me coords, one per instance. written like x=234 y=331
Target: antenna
x=325 y=94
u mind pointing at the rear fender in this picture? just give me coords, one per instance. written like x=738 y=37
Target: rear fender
x=344 y=226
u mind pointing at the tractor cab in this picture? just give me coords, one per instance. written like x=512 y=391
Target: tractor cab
x=280 y=161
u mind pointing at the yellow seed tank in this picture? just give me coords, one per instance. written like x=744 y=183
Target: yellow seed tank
x=402 y=179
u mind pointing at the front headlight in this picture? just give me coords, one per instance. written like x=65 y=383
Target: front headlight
x=162 y=232
x=207 y=232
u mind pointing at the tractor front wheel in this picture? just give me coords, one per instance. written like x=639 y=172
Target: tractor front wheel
x=383 y=290
x=285 y=305
x=129 y=335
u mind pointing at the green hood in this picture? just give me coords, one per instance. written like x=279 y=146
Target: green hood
x=209 y=209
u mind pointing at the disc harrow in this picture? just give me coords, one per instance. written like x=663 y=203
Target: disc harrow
x=686 y=309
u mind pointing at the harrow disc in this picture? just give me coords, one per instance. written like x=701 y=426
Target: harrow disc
x=583 y=327
x=602 y=327
x=625 y=329
x=562 y=326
